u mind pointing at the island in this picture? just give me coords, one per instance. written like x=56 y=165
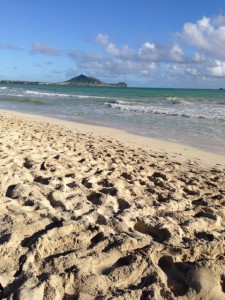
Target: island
x=92 y=81
x=81 y=80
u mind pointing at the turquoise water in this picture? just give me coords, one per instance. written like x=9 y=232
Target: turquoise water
x=188 y=116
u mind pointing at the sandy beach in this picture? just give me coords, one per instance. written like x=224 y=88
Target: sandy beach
x=96 y=213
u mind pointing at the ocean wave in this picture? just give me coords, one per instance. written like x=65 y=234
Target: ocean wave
x=157 y=111
x=48 y=94
x=18 y=92
x=176 y=100
x=12 y=95
x=89 y=97
x=122 y=102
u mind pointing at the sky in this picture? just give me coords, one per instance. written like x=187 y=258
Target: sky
x=145 y=43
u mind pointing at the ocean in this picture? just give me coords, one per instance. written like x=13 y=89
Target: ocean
x=194 y=117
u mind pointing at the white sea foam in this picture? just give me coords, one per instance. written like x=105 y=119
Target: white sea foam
x=12 y=95
x=168 y=112
x=89 y=97
x=177 y=100
x=122 y=102
x=48 y=94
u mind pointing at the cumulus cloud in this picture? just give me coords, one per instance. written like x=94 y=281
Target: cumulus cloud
x=207 y=34
x=103 y=39
x=115 y=66
x=211 y=70
x=176 y=54
x=198 y=58
x=148 y=51
x=197 y=52
x=185 y=71
x=38 y=48
x=218 y=70
x=111 y=48
x=121 y=60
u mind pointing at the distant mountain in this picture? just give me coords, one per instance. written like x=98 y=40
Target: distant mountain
x=84 y=79
x=79 y=80
x=92 y=81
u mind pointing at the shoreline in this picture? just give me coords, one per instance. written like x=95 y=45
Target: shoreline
x=177 y=151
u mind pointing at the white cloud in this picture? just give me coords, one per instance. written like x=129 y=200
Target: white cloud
x=184 y=70
x=112 y=49
x=198 y=55
x=149 y=46
x=192 y=71
x=103 y=39
x=125 y=52
x=149 y=51
x=145 y=48
x=177 y=54
x=115 y=65
x=218 y=70
x=206 y=34
x=38 y=48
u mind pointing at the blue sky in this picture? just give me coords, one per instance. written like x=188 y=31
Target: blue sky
x=151 y=43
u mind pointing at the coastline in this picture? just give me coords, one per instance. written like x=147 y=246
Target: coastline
x=87 y=212
x=174 y=150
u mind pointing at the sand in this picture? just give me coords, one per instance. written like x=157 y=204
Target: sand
x=110 y=216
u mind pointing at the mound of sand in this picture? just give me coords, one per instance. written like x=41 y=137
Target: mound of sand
x=86 y=217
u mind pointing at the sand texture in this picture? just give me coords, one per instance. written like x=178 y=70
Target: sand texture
x=86 y=217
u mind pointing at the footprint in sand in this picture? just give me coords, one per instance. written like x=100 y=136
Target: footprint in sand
x=159 y=235
x=96 y=198
x=175 y=279
x=121 y=262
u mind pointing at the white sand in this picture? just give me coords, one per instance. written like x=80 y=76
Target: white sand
x=115 y=216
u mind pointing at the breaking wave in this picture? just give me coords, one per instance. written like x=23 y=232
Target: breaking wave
x=122 y=102
x=176 y=100
x=20 y=92
x=164 y=111
x=48 y=94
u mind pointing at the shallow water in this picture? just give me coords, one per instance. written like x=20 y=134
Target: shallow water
x=189 y=116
